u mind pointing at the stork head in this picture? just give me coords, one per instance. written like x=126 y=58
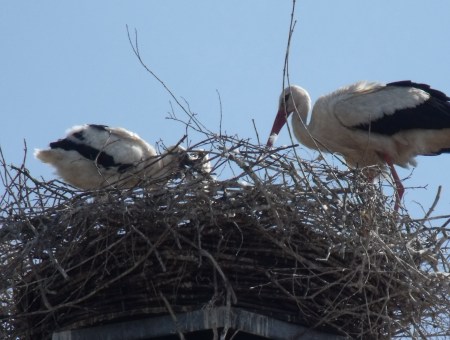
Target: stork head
x=292 y=99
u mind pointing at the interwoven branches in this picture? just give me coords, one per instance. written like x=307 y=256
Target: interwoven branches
x=296 y=240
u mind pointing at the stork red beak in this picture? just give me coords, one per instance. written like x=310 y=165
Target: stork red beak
x=278 y=124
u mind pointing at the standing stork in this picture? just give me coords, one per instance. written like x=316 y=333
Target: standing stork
x=371 y=123
x=97 y=156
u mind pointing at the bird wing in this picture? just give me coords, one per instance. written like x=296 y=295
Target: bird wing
x=391 y=108
x=108 y=146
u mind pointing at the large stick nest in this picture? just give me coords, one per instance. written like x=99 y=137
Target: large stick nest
x=296 y=240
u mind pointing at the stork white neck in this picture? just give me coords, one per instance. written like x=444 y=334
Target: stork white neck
x=293 y=100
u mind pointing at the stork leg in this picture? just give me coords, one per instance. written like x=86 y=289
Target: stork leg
x=400 y=189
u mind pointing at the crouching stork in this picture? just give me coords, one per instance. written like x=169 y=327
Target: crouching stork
x=97 y=156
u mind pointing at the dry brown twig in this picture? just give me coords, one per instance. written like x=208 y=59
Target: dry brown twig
x=327 y=254
x=294 y=239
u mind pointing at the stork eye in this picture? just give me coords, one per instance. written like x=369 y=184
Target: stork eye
x=79 y=135
x=286 y=97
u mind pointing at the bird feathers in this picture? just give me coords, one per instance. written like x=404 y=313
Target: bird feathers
x=124 y=146
x=95 y=156
x=363 y=103
x=367 y=120
x=403 y=119
x=431 y=114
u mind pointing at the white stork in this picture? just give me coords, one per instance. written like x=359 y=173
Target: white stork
x=371 y=123
x=96 y=156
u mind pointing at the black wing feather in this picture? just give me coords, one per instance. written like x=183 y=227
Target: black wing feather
x=100 y=157
x=433 y=114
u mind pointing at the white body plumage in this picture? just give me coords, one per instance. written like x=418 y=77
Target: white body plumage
x=96 y=156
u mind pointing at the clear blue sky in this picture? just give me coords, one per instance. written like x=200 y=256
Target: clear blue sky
x=66 y=63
